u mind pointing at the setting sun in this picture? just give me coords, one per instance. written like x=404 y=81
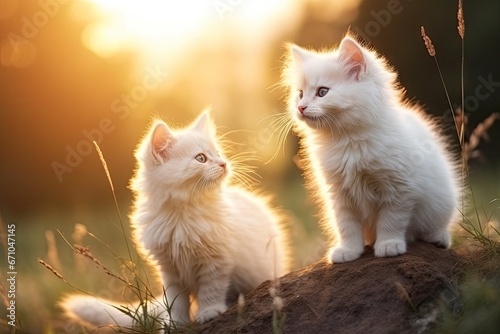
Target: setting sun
x=151 y=25
x=155 y=28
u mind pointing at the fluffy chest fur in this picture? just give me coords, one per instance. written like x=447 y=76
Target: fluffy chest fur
x=366 y=172
x=185 y=238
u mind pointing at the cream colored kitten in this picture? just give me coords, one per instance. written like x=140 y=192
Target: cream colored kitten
x=210 y=240
x=380 y=165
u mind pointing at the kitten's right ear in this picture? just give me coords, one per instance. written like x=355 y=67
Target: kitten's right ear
x=298 y=54
x=161 y=140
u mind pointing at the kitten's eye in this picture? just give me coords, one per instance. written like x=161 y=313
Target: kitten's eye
x=201 y=158
x=322 y=91
x=301 y=94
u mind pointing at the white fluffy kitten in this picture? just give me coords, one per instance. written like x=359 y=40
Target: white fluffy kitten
x=210 y=240
x=380 y=165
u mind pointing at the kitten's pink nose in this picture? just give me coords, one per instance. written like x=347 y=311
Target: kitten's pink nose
x=223 y=164
x=302 y=109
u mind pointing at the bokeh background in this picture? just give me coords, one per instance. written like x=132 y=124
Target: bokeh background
x=73 y=71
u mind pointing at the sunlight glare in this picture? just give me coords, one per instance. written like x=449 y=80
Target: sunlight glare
x=151 y=25
x=158 y=28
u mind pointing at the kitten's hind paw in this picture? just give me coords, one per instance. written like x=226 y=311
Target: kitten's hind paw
x=210 y=312
x=390 y=248
x=340 y=254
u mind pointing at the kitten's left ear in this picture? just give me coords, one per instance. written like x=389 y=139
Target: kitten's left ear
x=161 y=141
x=352 y=53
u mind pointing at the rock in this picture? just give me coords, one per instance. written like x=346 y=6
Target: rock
x=369 y=295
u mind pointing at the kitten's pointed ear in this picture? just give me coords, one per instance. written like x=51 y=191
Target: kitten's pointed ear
x=352 y=53
x=204 y=122
x=161 y=140
x=297 y=54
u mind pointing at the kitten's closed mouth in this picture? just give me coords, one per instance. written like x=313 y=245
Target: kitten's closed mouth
x=308 y=118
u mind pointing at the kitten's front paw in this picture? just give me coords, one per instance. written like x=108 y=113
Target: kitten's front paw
x=340 y=254
x=210 y=312
x=441 y=239
x=390 y=248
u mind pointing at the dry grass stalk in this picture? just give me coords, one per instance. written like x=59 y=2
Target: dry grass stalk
x=428 y=43
x=49 y=267
x=104 y=164
x=85 y=251
x=480 y=132
x=108 y=175
x=241 y=301
x=278 y=315
x=52 y=253
x=461 y=21
x=461 y=121
x=278 y=303
x=432 y=52
x=79 y=233
x=241 y=305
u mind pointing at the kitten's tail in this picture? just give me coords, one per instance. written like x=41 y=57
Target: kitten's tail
x=101 y=312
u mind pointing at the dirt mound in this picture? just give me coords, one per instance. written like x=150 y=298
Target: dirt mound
x=370 y=295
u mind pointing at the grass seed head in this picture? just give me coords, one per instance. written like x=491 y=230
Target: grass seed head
x=49 y=267
x=428 y=43
x=461 y=21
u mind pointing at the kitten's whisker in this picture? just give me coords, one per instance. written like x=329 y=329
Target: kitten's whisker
x=275 y=86
x=285 y=125
x=243 y=173
x=279 y=122
x=200 y=185
x=223 y=136
x=248 y=173
x=246 y=180
x=248 y=184
x=229 y=145
x=334 y=121
x=241 y=166
x=329 y=117
x=245 y=156
x=279 y=128
x=278 y=115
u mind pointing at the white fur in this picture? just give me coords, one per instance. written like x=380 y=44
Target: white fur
x=210 y=240
x=389 y=176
